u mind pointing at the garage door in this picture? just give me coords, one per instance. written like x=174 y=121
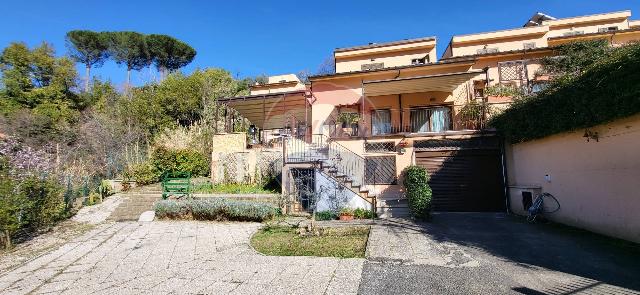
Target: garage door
x=464 y=180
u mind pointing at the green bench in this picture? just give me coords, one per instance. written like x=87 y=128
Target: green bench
x=176 y=184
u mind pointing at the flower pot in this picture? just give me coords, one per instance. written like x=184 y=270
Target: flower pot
x=347 y=131
x=346 y=217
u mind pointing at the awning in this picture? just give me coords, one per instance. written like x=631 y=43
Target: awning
x=441 y=82
x=271 y=111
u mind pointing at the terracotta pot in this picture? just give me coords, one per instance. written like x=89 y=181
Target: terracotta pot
x=346 y=217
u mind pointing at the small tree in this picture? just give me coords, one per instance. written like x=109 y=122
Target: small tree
x=418 y=191
x=89 y=48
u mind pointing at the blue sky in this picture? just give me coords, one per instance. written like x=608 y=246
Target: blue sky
x=275 y=37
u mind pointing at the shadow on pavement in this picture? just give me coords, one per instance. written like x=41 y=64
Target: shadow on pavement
x=600 y=261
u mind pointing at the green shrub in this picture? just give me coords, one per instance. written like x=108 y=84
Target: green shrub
x=173 y=209
x=215 y=209
x=360 y=213
x=105 y=189
x=12 y=204
x=144 y=173
x=326 y=215
x=182 y=161
x=418 y=191
x=46 y=202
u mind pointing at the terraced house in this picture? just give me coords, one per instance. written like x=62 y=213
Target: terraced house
x=390 y=105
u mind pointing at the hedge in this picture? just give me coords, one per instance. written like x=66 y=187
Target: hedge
x=215 y=209
x=607 y=90
x=417 y=191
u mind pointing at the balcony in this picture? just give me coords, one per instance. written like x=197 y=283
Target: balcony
x=421 y=121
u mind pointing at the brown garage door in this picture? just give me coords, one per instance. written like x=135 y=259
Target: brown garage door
x=464 y=180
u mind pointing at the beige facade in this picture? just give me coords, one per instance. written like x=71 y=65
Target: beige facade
x=278 y=84
x=401 y=93
x=548 y=33
x=596 y=182
x=385 y=55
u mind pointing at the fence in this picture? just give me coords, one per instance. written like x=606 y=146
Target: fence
x=251 y=166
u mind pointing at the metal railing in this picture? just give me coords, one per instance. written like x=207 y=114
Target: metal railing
x=318 y=148
x=463 y=117
x=305 y=148
x=346 y=163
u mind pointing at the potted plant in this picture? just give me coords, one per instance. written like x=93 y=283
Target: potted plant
x=346 y=214
x=473 y=114
x=349 y=122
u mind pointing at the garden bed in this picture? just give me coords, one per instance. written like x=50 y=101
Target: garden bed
x=343 y=242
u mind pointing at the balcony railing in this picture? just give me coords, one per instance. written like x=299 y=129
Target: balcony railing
x=467 y=117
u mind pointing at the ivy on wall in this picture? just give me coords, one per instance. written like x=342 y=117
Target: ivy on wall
x=606 y=89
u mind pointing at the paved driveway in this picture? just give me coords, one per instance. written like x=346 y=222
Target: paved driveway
x=177 y=258
x=476 y=253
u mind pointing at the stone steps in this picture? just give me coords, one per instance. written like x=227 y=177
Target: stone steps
x=393 y=208
x=133 y=205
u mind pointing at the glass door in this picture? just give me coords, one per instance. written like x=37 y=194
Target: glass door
x=380 y=122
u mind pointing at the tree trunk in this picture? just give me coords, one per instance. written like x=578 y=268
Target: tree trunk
x=128 y=83
x=87 y=77
x=163 y=73
x=7 y=240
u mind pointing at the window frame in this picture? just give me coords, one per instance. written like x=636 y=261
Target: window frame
x=388 y=110
x=428 y=109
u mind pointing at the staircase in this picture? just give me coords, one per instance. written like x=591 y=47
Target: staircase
x=135 y=202
x=345 y=167
x=334 y=160
x=392 y=208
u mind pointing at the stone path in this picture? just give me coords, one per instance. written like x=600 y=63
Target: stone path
x=402 y=241
x=177 y=258
x=98 y=213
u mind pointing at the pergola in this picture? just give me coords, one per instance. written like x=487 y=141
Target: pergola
x=440 y=82
x=283 y=110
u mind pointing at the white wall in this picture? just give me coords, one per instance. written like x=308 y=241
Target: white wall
x=334 y=196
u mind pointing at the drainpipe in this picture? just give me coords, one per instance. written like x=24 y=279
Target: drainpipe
x=504 y=176
x=361 y=127
x=401 y=111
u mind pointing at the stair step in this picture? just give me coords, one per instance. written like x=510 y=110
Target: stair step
x=391 y=212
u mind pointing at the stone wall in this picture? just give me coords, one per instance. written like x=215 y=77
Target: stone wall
x=229 y=142
x=248 y=166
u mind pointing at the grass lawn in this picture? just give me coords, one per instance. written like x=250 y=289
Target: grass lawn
x=345 y=242
x=208 y=188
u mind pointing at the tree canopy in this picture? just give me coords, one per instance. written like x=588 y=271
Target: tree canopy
x=129 y=49
x=168 y=53
x=89 y=48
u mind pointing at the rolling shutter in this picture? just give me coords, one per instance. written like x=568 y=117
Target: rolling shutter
x=464 y=180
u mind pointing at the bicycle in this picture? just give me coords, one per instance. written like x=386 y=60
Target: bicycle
x=537 y=208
